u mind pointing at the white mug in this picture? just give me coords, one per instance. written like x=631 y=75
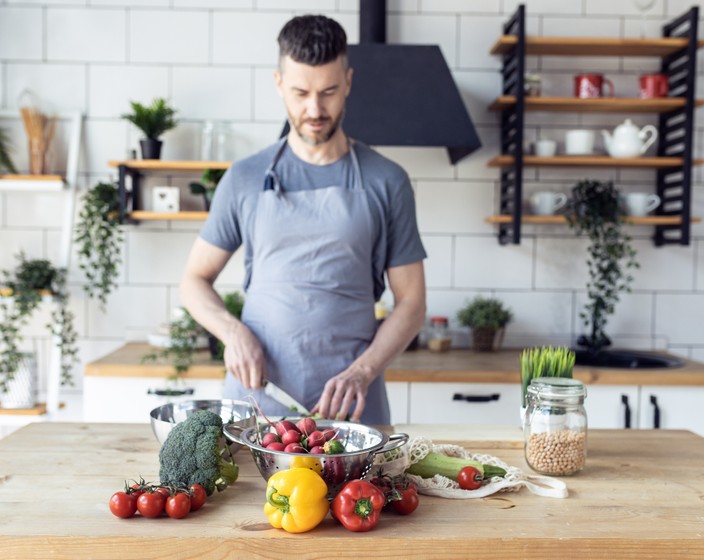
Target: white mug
x=545 y=148
x=579 y=142
x=640 y=204
x=546 y=203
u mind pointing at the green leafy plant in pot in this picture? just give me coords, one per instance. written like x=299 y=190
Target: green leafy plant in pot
x=207 y=185
x=595 y=211
x=99 y=237
x=153 y=120
x=22 y=291
x=545 y=362
x=487 y=318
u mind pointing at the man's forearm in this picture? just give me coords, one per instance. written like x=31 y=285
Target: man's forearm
x=206 y=306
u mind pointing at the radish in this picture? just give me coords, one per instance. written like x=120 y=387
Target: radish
x=294 y=448
x=291 y=436
x=270 y=438
x=284 y=426
x=329 y=434
x=276 y=446
x=316 y=438
x=317 y=450
x=306 y=426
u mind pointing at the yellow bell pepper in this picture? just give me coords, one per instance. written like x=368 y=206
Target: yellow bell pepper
x=312 y=463
x=295 y=500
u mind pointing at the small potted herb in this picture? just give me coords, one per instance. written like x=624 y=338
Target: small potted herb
x=22 y=291
x=545 y=362
x=153 y=120
x=487 y=318
x=99 y=238
x=208 y=183
x=595 y=211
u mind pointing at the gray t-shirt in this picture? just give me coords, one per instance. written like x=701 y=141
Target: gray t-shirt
x=230 y=222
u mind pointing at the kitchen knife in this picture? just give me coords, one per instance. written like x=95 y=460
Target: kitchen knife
x=281 y=396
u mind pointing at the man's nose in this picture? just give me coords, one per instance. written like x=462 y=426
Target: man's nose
x=314 y=107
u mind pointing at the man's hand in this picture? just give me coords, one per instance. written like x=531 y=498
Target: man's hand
x=342 y=390
x=244 y=357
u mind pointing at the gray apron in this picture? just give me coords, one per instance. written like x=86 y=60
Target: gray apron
x=310 y=300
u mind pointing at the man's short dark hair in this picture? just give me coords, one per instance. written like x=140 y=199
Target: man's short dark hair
x=312 y=40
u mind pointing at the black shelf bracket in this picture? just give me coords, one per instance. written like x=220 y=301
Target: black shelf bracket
x=128 y=198
x=513 y=77
x=676 y=128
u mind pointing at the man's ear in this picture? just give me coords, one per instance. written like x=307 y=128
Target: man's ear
x=348 y=78
x=278 y=82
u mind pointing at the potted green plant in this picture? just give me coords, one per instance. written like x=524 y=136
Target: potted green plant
x=153 y=120
x=595 y=211
x=99 y=237
x=545 y=362
x=6 y=163
x=22 y=292
x=207 y=185
x=487 y=318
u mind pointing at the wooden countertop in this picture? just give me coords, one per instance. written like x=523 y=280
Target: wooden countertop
x=456 y=366
x=640 y=495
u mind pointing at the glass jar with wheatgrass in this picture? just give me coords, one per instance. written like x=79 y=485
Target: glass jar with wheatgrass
x=555 y=427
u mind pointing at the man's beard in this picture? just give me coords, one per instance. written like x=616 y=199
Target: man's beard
x=321 y=137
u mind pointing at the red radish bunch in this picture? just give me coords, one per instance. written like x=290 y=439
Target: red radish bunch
x=301 y=437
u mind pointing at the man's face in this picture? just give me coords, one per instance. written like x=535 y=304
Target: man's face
x=314 y=97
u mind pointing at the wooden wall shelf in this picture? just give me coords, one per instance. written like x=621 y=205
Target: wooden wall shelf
x=595 y=105
x=170 y=165
x=561 y=219
x=592 y=46
x=32 y=183
x=145 y=216
x=589 y=161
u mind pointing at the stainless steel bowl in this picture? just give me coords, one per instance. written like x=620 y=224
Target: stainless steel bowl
x=238 y=414
x=362 y=443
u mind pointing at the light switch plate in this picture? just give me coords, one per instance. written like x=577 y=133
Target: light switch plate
x=165 y=199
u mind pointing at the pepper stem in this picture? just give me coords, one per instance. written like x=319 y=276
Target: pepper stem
x=364 y=507
x=278 y=501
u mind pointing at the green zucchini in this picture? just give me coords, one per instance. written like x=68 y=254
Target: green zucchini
x=437 y=463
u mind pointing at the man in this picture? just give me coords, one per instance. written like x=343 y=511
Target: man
x=321 y=218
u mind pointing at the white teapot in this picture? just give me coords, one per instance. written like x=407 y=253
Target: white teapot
x=628 y=140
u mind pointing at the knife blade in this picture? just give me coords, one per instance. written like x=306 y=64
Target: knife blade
x=281 y=396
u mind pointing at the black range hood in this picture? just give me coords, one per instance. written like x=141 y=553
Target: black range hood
x=403 y=95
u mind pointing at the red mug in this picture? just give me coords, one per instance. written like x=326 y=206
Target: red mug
x=591 y=85
x=653 y=85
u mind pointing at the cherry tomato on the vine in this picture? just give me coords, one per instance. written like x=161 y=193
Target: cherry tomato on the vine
x=408 y=502
x=151 y=504
x=198 y=496
x=178 y=505
x=123 y=505
x=469 y=478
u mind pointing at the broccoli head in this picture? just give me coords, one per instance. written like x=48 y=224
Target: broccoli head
x=191 y=454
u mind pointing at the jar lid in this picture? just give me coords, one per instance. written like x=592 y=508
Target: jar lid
x=438 y=320
x=555 y=387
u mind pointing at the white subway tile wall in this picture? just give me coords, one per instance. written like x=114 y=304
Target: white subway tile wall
x=214 y=59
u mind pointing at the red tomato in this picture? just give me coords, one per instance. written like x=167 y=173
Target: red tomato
x=408 y=502
x=151 y=504
x=163 y=491
x=198 y=496
x=469 y=478
x=137 y=490
x=178 y=505
x=123 y=505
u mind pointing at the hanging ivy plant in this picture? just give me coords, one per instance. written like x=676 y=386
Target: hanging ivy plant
x=22 y=293
x=99 y=237
x=595 y=211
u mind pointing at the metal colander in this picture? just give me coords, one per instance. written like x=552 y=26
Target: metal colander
x=362 y=443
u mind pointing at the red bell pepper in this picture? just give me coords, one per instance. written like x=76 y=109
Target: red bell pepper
x=358 y=505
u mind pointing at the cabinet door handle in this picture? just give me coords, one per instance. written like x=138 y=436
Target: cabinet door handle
x=171 y=392
x=627 y=411
x=656 y=411
x=476 y=398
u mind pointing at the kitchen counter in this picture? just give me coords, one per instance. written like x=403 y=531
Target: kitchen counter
x=640 y=495
x=456 y=366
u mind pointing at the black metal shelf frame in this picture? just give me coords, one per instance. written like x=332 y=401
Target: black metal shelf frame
x=675 y=131
x=126 y=197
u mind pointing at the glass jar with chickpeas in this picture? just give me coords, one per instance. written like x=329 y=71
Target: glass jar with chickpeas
x=555 y=427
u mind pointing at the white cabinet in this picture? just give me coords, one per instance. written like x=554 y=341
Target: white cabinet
x=612 y=406
x=131 y=399
x=675 y=408
x=465 y=403
x=397 y=392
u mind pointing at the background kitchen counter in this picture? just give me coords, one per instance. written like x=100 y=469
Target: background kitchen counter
x=640 y=495
x=456 y=366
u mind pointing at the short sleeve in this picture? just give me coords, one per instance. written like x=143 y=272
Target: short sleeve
x=404 y=245
x=222 y=227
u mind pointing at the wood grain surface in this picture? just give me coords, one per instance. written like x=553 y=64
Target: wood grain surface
x=641 y=495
